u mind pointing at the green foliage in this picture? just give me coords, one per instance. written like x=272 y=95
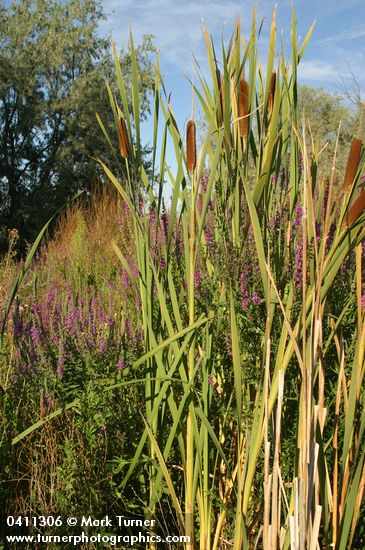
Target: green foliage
x=53 y=65
x=326 y=114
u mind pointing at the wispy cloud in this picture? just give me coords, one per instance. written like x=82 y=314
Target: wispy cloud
x=176 y=24
x=317 y=70
x=344 y=36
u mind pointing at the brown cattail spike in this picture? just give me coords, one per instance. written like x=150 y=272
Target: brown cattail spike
x=220 y=83
x=243 y=99
x=191 y=146
x=356 y=210
x=123 y=138
x=270 y=101
x=352 y=163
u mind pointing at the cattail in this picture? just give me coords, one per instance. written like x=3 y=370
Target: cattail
x=352 y=163
x=220 y=83
x=356 y=210
x=191 y=146
x=243 y=98
x=270 y=101
x=123 y=138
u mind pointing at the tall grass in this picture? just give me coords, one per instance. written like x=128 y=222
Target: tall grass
x=250 y=291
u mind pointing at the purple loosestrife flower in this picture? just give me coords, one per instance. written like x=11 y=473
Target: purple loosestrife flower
x=197 y=278
x=256 y=300
x=111 y=322
x=165 y=218
x=138 y=303
x=18 y=325
x=204 y=180
x=36 y=335
x=121 y=365
x=51 y=295
x=125 y=280
x=331 y=235
x=128 y=329
x=36 y=309
x=125 y=210
x=102 y=346
x=298 y=216
x=23 y=368
x=209 y=238
x=139 y=336
x=73 y=320
x=178 y=242
x=272 y=223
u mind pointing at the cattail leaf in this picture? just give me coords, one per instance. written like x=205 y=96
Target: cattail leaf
x=305 y=41
x=122 y=89
x=270 y=58
x=135 y=95
x=175 y=500
x=73 y=405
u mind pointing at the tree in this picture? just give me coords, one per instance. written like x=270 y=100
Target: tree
x=53 y=66
x=324 y=112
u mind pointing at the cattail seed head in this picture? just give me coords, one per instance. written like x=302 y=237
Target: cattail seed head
x=191 y=146
x=243 y=99
x=356 y=210
x=123 y=137
x=220 y=83
x=270 y=101
x=352 y=163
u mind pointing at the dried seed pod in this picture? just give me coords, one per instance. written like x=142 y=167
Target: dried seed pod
x=191 y=146
x=243 y=99
x=123 y=138
x=270 y=101
x=356 y=210
x=352 y=163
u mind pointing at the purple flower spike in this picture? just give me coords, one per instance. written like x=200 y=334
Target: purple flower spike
x=121 y=364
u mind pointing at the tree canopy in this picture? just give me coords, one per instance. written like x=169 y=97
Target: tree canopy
x=326 y=113
x=53 y=66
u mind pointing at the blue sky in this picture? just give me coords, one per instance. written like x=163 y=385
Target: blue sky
x=335 y=52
